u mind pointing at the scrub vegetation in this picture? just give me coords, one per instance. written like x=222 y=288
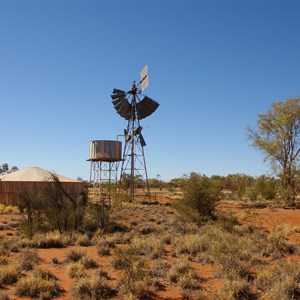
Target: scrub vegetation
x=156 y=250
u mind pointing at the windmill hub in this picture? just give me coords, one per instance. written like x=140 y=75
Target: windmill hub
x=133 y=90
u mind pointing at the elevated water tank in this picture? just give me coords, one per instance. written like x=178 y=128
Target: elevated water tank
x=104 y=150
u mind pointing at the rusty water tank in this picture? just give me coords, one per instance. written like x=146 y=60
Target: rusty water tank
x=105 y=150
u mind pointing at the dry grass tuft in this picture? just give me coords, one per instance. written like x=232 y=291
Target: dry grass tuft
x=94 y=287
x=39 y=283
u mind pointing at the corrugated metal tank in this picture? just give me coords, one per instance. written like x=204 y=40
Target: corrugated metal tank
x=105 y=150
x=10 y=191
x=13 y=185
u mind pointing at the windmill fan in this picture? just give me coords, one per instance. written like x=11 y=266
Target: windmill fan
x=133 y=109
x=127 y=109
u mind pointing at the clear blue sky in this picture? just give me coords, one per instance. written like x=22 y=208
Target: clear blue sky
x=213 y=66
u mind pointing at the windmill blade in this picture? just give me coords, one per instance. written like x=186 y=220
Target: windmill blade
x=119 y=92
x=124 y=110
x=116 y=96
x=121 y=104
x=142 y=141
x=146 y=107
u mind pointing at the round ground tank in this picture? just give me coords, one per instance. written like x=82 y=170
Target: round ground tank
x=105 y=150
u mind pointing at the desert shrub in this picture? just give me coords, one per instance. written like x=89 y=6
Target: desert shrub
x=100 y=272
x=159 y=269
x=97 y=216
x=251 y=193
x=32 y=204
x=62 y=210
x=51 y=239
x=236 y=289
x=120 y=238
x=147 y=229
x=9 y=274
x=178 y=269
x=83 y=240
x=76 y=270
x=143 y=290
x=266 y=187
x=190 y=244
x=232 y=252
x=227 y=221
x=93 y=288
x=150 y=246
x=104 y=246
x=279 y=281
x=117 y=227
x=43 y=273
x=278 y=238
x=74 y=256
x=89 y=263
x=122 y=259
x=200 y=197
x=33 y=286
x=182 y=225
x=18 y=243
x=154 y=248
x=28 y=258
x=189 y=281
x=133 y=269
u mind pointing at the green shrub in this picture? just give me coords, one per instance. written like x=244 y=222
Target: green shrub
x=98 y=216
x=200 y=197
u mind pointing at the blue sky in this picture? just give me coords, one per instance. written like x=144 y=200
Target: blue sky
x=213 y=66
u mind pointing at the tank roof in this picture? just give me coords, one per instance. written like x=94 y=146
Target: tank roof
x=33 y=174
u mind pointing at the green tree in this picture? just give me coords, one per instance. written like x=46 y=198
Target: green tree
x=200 y=197
x=238 y=183
x=4 y=168
x=266 y=187
x=278 y=137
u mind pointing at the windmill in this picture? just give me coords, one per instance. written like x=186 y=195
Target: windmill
x=133 y=106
